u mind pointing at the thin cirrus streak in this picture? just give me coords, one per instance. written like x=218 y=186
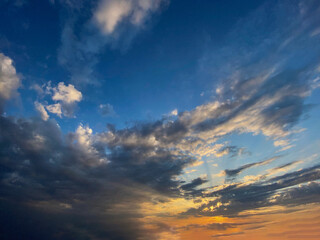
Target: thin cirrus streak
x=242 y=165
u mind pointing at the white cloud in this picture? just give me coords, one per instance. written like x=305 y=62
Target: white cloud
x=84 y=135
x=9 y=80
x=174 y=112
x=67 y=94
x=111 y=13
x=113 y=23
x=64 y=96
x=42 y=111
x=84 y=140
x=55 y=108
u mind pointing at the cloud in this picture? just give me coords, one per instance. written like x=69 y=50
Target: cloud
x=233 y=150
x=194 y=183
x=112 y=23
x=9 y=80
x=227 y=234
x=174 y=112
x=65 y=96
x=110 y=13
x=290 y=189
x=234 y=172
x=107 y=110
x=265 y=95
x=42 y=111
x=55 y=109
x=43 y=171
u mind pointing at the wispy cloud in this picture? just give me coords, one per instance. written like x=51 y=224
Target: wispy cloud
x=107 y=110
x=234 y=172
x=112 y=23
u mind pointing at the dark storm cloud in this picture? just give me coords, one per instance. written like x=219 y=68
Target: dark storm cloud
x=49 y=175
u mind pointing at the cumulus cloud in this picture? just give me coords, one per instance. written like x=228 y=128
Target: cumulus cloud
x=83 y=175
x=65 y=96
x=9 y=80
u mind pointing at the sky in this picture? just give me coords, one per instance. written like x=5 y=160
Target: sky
x=159 y=119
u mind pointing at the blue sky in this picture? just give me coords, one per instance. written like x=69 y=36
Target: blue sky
x=200 y=116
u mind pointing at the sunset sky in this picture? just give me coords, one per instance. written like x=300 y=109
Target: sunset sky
x=159 y=119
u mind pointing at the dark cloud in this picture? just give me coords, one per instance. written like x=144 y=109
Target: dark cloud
x=52 y=176
x=234 y=172
x=194 y=183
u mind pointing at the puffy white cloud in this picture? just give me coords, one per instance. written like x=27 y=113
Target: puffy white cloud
x=67 y=94
x=9 y=80
x=84 y=135
x=42 y=111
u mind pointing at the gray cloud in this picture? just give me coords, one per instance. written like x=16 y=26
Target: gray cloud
x=73 y=180
x=234 y=172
